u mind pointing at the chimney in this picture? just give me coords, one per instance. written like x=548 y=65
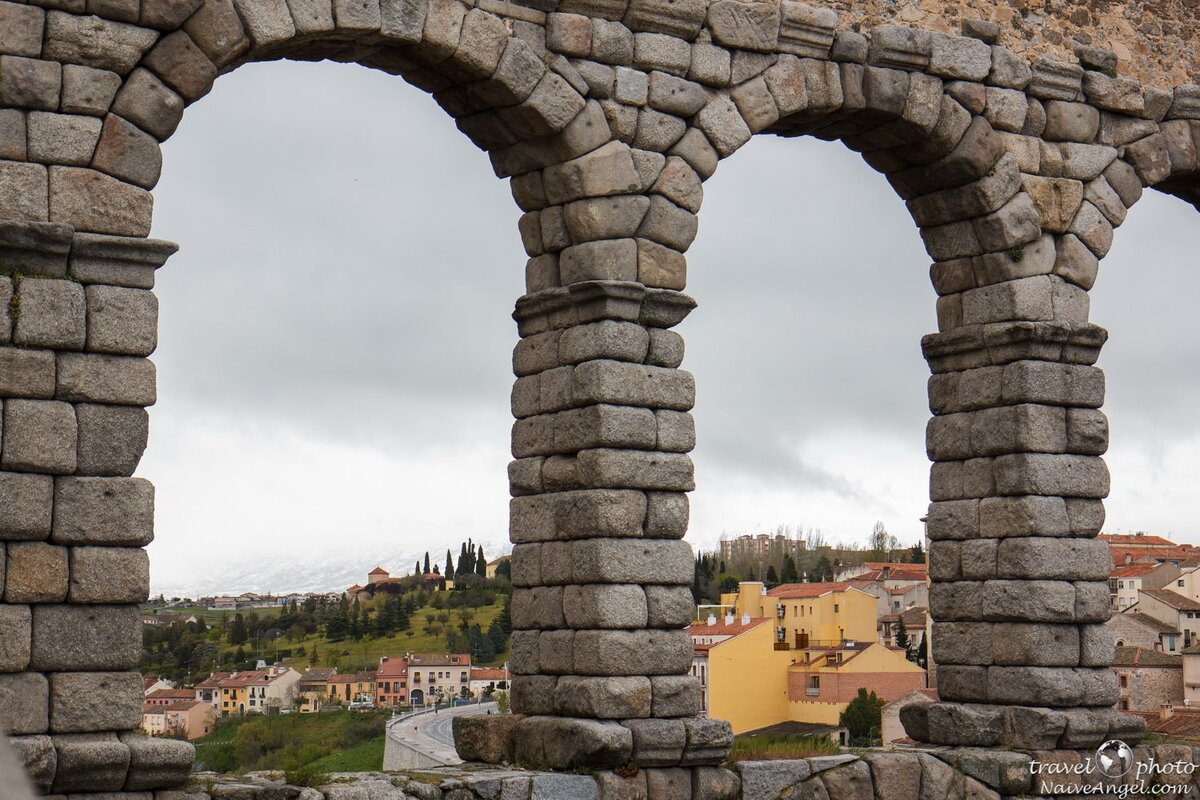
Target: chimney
x=712 y=619
x=1165 y=711
x=382 y=659
x=745 y=619
x=729 y=619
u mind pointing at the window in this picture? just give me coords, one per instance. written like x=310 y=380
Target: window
x=814 y=681
x=835 y=608
x=1120 y=584
x=1124 y=681
x=1179 y=582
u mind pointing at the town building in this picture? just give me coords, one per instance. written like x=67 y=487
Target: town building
x=1147 y=679
x=356 y=687
x=209 y=690
x=761 y=547
x=154 y=720
x=1131 y=628
x=755 y=681
x=154 y=684
x=1191 y=676
x=391 y=682
x=827 y=678
x=182 y=719
x=165 y=697
x=258 y=691
x=1174 y=609
x=489 y=571
x=313 y=688
x=488 y=680
x=891 y=573
x=914 y=620
x=808 y=614
x=1126 y=580
x=437 y=677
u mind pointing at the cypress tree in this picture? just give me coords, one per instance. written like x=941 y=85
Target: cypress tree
x=426 y=562
x=901 y=634
x=449 y=564
x=480 y=563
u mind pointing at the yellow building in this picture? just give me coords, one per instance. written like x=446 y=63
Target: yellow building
x=744 y=678
x=358 y=687
x=824 y=681
x=797 y=653
x=808 y=613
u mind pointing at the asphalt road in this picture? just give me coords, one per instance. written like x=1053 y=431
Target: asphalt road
x=434 y=732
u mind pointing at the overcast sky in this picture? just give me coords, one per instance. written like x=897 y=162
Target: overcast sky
x=335 y=350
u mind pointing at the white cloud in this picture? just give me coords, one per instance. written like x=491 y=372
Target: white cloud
x=336 y=334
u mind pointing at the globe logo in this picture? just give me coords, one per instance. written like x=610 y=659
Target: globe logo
x=1114 y=758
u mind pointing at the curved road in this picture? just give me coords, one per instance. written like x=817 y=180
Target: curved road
x=433 y=733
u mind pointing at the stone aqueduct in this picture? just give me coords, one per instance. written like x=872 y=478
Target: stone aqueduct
x=606 y=116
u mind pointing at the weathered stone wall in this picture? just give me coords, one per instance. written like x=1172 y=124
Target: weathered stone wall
x=1164 y=771
x=607 y=116
x=1157 y=41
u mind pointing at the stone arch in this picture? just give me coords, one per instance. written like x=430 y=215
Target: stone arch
x=84 y=108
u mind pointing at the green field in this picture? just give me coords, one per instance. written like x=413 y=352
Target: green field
x=335 y=741
x=348 y=655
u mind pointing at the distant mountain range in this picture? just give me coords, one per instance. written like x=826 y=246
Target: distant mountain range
x=304 y=572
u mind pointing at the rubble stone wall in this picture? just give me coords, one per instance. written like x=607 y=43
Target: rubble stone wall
x=606 y=116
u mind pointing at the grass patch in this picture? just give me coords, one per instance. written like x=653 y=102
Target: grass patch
x=768 y=747
x=366 y=757
x=327 y=742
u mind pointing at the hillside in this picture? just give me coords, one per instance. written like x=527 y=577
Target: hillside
x=351 y=636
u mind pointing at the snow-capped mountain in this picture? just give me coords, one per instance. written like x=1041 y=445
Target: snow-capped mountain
x=302 y=572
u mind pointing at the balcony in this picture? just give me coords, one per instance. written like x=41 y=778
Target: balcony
x=812 y=692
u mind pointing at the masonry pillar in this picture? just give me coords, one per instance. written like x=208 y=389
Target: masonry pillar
x=77 y=323
x=601 y=574
x=1019 y=588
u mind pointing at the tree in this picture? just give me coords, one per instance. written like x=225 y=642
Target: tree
x=237 y=631
x=922 y=654
x=823 y=570
x=505 y=618
x=417 y=568
x=901 y=634
x=502 y=702
x=916 y=554
x=426 y=572
x=480 y=563
x=449 y=573
x=790 y=575
x=772 y=576
x=504 y=569
x=863 y=718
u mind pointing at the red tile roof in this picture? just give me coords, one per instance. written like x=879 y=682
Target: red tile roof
x=439 y=660
x=1132 y=570
x=488 y=674
x=1136 y=539
x=1143 y=657
x=1184 y=723
x=1150 y=622
x=801 y=591
x=379 y=571
x=721 y=629
x=393 y=667
x=1172 y=599
x=172 y=694
x=213 y=681
x=183 y=705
